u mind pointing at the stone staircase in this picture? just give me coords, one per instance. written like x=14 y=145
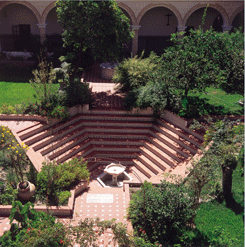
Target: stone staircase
x=148 y=146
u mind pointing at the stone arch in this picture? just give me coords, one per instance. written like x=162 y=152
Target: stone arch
x=46 y=12
x=129 y=12
x=27 y=4
x=236 y=12
x=164 y=5
x=217 y=7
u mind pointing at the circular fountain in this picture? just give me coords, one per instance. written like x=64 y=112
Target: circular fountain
x=114 y=170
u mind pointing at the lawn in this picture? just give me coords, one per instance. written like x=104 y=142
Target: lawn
x=222 y=224
x=216 y=102
x=13 y=93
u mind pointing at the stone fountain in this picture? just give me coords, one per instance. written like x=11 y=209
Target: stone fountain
x=111 y=174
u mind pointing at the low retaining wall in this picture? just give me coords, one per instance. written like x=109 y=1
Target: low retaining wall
x=179 y=122
x=19 y=117
x=54 y=210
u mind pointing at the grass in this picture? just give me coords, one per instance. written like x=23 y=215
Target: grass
x=13 y=93
x=221 y=224
x=216 y=102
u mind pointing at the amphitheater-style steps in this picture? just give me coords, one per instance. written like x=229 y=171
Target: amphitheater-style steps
x=149 y=146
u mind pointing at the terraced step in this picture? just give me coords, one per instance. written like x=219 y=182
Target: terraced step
x=151 y=147
x=179 y=133
x=159 y=156
x=142 y=168
x=147 y=164
x=166 y=134
x=160 y=148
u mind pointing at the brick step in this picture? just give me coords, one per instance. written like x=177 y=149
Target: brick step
x=139 y=176
x=69 y=154
x=87 y=149
x=30 y=128
x=143 y=167
x=168 y=145
x=43 y=128
x=170 y=138
x=104 y=118
x=180 y=133
x=160 y=157
x=79 y=135
x=103 y=127
x=70 y=146
x=117 y=157
x=157 y=167
x=132 y=151
x=95 y=143
x=163 y=150
x=166 y=134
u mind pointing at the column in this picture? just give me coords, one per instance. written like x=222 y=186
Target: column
x=42 y=29
x=135 y=28
x=227 y=28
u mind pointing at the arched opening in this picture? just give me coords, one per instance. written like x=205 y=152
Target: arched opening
x=213 y=19
x=18 y=27
x=217 y=24
x=157 y=24
x=53 y=32
x=238 y=21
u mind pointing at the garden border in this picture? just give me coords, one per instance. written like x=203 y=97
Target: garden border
x=54 y=210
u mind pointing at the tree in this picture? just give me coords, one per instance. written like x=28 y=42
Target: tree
x=97 y=28
x=160 y=214
x=201 y=59
x=227 y=140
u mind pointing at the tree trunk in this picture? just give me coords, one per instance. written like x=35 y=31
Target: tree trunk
x=227 y=182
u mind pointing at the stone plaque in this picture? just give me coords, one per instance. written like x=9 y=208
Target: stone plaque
x=99 y=198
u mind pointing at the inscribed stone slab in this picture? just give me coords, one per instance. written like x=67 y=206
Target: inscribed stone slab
x=99 y=198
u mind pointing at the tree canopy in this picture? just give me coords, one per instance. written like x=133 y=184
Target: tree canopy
x=92 y=30
x=201 y=59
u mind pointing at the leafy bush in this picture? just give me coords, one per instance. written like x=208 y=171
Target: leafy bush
x=135 y=72
x=158 y=94
x=63 y=197
x=8 y=195
x=33 y=228
x=160 y=213
x=43 y=80
x=77 y=93
x=55 y=178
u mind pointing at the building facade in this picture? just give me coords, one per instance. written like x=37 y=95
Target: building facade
x=152 y=21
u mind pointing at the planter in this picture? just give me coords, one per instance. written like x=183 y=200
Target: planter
x=27 y=193
x=108 y=70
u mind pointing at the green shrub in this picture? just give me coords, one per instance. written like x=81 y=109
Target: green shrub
x=63 y=197
x=160 y=213
x=135 y=72
x=33 y=228
x=78 y=93
x=8 y=195
x=53 y=178
x=7 y=109
x=71 y=172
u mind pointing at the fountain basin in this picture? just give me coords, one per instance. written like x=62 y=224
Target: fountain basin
x=113 y=176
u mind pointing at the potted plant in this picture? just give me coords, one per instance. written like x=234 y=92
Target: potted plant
x=19 y=160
